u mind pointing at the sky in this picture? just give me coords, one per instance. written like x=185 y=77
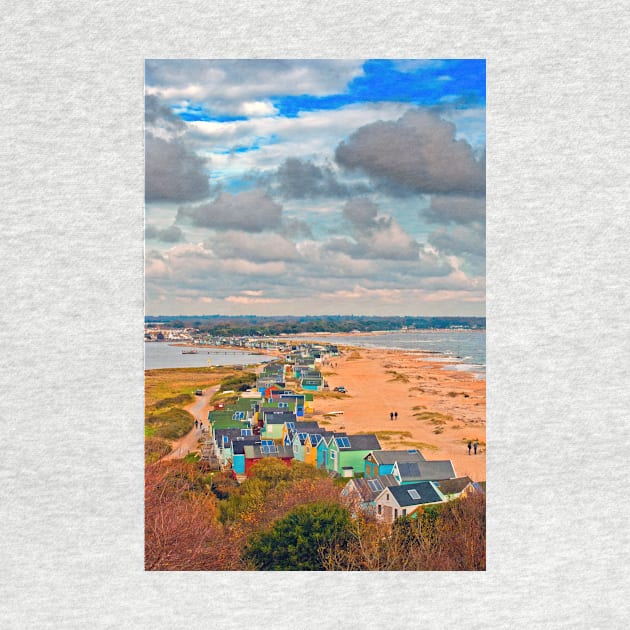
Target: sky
x=315 y=187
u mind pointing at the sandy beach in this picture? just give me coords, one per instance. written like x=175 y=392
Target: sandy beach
x=439 y=410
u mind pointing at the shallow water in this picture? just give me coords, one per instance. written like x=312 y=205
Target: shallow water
x=159 y=355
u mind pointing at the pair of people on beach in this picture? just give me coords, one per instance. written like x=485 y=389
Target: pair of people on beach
x=475 y=445
x=393 y=415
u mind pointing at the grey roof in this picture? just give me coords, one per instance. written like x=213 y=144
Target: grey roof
x=391 y=457
x=427 y=491
x=279 y=418
x=454 y=486
x=239 y=444
x=306 y=427
x=363 y=442
x=231 y=433
x=253 y=451
x=428 y=470
x=366 y=493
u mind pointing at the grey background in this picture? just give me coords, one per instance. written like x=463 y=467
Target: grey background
x=71 y=173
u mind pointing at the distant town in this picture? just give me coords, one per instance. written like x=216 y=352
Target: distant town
x=217 y=329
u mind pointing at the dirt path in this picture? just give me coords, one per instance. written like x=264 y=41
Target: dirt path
x=199 y=409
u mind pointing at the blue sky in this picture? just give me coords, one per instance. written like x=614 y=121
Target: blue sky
x=315 y=187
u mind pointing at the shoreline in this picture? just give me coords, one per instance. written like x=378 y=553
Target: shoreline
x=439 y=410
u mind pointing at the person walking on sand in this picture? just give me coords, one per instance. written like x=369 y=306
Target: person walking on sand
x=469 y=447
x=196 y=423
x=395 y=415
x=391 y=416
x=475 y=445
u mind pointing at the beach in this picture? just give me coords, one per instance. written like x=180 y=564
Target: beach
x=439 y=410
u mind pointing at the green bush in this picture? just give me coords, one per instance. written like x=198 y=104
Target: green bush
x=296 y=542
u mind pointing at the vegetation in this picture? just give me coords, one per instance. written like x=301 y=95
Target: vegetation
x=167 y=392
x=155 y=448
x=398 y=376
x=252 y=325
x=298 y=542
x=293 y=518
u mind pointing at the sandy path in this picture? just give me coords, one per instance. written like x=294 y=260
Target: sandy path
x=199 y=409
x=381 y=381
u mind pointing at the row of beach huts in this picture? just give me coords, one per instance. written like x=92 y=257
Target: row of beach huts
x=272 y=421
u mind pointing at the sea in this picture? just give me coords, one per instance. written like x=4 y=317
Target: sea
x=159 y=355
x=462 y=350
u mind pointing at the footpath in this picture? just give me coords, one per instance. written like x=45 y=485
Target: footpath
x=199 y=409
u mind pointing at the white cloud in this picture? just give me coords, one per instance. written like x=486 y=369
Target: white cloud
x=226 y=83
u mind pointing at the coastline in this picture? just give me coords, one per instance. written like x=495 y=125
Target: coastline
x=439 y=410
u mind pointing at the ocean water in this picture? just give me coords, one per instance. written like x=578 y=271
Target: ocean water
x=159 y=355
x=463 y=350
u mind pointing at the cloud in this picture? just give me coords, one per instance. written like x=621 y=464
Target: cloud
x=258 y=248
x=244 y=299
x=157 y=114
x=172 y=171
x=171 y=234
x=456 y=209
x=226 y=84
x=250 y=211
x=375 y=236
x=418 y=152
x=462 y=240
x=361 y=213
x=299 y=178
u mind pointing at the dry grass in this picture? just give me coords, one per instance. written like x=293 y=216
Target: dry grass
x=354 y=356
x=397 y=376
x=423 y=446
x=433 y=417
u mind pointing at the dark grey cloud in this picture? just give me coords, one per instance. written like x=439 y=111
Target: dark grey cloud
x=172 y=171
x=250 y=211
x=418 y=152
x=456 y=209
x=302 y=179
x=170 y=234
x=157 y=114
x=361 y=213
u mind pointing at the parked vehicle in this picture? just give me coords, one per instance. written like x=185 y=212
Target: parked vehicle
x=341 y=390
x=199 y=392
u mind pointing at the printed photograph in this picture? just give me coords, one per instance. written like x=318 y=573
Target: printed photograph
x=315 y=331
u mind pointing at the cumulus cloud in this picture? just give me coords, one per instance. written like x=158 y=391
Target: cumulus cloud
x=250 y=211
x=255 y=247
x=418 y=152
x=171 y=234
x=374 y=236
x=172 y=171
x=456 y=209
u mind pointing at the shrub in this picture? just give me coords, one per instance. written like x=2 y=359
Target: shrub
x=297 y=542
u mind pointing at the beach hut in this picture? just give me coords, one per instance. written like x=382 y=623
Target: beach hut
x=256 y=452
x=363 y=492
x=396 y=501
x=413 y=472
x=349 y=452
x=382 y=462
